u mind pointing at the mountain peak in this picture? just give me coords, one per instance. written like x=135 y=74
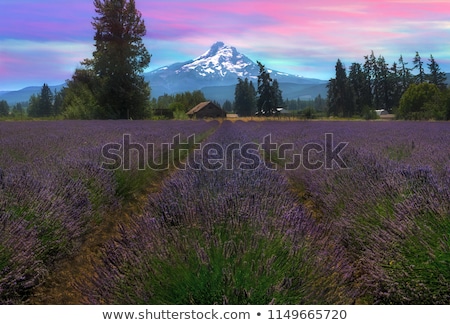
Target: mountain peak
x=220 y=61
x=217 y=46
x=220 y=65
x=221 y=49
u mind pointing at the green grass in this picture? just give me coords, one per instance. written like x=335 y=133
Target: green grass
x=422 y=268
x=131 y=184
x=400 y=152
x=5 y=257
x=232 y=266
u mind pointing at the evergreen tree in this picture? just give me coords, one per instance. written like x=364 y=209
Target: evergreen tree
x=266 y=100
x=418 y=64
x=367 y=69
x=58 y=101
x=178 y=104
x=252 y=97
x=45 y=102
x=4 y=108
x=244 y=98
x=395 y=85
x=319 y=103
x=269 y=94
x=33 y=106
x=340 y=97
x=227 y=106
x=377 y=88
x=360 y=87
x=80 y=101
x=277 y=94
x=240 y=95
x=375 y=84
x=164 y=101
x=119 y=60
x=436 y=76
x=291 y=104
x=41 y=105
x=187 y=100
x=18 y=110
x=332 y=100
x=405 y=74
x=383 y=84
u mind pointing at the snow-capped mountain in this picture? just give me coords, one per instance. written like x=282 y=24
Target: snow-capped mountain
x=220 y=66
x=220 y=62
x=215 y=73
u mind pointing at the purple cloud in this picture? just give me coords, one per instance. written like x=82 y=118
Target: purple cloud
x=301 y=37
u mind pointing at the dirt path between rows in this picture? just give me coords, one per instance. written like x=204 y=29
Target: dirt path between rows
x=61 y=285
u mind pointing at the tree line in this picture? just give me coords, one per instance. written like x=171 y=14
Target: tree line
x=176 y=106
x=17 y=110
x=263 y=100
x=267 y=98
x=110 y=85
x=376 y=85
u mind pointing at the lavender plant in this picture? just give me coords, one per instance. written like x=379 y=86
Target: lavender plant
x=375 y=232
x=223 y=236
x=390 y=209
x=54 y=193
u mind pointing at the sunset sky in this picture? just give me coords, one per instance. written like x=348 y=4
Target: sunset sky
x=44 y=40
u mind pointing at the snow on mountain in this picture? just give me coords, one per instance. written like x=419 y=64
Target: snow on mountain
x=215 y=72
x=221 y=60
x=221 y=65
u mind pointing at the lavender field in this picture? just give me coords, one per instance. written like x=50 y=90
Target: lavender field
x=226 y=227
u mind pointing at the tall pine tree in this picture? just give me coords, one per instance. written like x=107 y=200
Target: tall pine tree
x=244 y=98
x=360 y=86
x=119 y=60
x=340 y=96
x=269 y=93
x=418 y=64
x=4 y=108
x=436 y=76
x=266 y=100
x=405 y=74
x=383 y=84
x=277 y=93
x=45 y=102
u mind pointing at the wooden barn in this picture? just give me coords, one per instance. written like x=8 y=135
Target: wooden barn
x=205 y=110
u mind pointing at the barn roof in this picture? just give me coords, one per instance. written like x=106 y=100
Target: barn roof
x=199 y=107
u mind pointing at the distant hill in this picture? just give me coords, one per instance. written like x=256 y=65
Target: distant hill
x=303 y=88
x=23 y=95
x=216 y=73
x=290 y=91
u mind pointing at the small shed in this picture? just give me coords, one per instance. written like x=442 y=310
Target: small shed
x=205 y=110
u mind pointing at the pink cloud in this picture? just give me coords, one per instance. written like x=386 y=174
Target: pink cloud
x=307 y=34
x=38 y=62
x=46 y=20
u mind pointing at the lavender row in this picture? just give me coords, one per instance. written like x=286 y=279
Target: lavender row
x=224 y=236
x=375 y=232
x=53 y=191
x=390 y=209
